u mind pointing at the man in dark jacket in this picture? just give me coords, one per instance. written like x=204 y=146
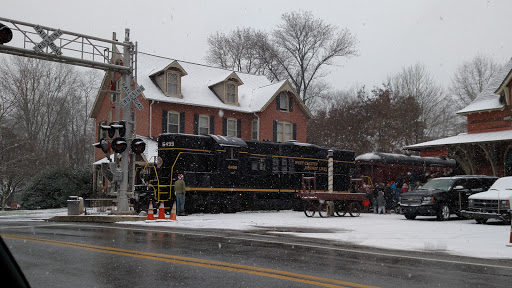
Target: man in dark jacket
x=179 y=190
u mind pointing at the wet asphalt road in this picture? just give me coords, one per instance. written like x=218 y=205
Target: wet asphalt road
x=111 y=255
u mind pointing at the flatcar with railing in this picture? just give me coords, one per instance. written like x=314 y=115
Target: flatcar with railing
x=227 y=174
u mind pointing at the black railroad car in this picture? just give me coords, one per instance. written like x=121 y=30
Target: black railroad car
x=227 y=174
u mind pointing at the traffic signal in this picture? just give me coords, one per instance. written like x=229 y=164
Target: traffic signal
x=138 y=146
x=5 y=34
x=119 y=145
x=103 y=145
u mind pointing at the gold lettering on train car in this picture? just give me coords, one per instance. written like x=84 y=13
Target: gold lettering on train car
x=322 y=169
x=299 y=162
x=232 y=167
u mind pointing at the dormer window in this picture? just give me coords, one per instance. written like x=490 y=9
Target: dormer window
x=172 y=83
x=226 y=88
x=231 y=93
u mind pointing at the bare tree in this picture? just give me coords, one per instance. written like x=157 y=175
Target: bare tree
x=44 y=119
x=416 y=82
x=298 y=49
x=306 y=44
x=471 y=78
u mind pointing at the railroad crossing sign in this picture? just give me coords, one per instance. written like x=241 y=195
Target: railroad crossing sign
x=131 y=96
x=48 y=40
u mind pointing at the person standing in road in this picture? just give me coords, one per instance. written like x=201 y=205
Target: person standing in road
x=179 y=190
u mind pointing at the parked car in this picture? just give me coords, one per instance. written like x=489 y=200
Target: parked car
x=492 y=204
x=443 y=196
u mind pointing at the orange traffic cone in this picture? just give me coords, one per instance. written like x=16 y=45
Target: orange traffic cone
x=173 y=212
x=151 y=217
x=161 y=213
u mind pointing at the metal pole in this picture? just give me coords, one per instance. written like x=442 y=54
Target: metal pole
x=330 y=171
x=122 y=199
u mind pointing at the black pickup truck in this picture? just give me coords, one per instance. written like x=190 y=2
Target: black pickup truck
x=443 y=196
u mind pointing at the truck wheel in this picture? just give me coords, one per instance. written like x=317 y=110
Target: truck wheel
x=410 y=216
x=443 y=213
x=480 y=220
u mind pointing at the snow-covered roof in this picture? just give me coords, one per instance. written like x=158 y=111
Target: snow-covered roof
x=150 y=153
x=464 y=138
x=253 y=95
x=392 y=158
x=488 y=99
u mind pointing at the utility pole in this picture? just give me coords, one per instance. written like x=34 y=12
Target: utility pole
x=122 y=204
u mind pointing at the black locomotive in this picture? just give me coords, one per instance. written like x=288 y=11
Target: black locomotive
x=227 y=174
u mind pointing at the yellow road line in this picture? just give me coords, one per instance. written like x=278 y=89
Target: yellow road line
x=313 y=280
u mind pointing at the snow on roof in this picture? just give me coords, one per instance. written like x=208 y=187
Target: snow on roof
x=488 y=99
x=255 y=92
x=464 y=138
x=404 y=159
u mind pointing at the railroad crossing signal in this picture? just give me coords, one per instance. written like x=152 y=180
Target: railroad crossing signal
x=48 y=40
x=131 y=96
x=5 y=34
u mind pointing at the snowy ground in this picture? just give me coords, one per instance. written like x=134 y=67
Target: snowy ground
x=458 y=237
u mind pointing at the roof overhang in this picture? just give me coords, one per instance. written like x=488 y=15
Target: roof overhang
x=174 y=64
x=232 y=75
x=463 y=138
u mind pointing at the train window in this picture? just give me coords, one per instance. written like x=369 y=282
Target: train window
x=258 y=164
x=262 y=165
x=275 y=165
x=254 y=164
x=232 y=153
x=284 y=165
x=291 y=165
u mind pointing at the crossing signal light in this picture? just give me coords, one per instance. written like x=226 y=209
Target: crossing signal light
x=103 y=145
x=111 y=131
x=5 y=34
x=120 y=127
x=138 y=146
x=119 y=145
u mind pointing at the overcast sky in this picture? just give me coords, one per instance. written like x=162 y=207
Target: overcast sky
x=391 y=34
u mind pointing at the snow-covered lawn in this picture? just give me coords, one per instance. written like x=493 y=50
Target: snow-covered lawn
x=459 y=237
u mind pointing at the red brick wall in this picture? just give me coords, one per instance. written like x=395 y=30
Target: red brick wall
x=267 y=117
x=490 y=121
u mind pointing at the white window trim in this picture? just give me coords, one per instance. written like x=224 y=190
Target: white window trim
x=281 y=135
x=283 y=95
x=236 y=92
x=257 y=130
x=235 y=122
x=199 y=124
x=177 y=83
x=168 y=121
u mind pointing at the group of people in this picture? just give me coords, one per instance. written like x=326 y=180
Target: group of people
x=385 y=196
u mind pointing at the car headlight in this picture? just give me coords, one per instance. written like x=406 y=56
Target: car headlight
x=427 y=200
x=505 y=203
